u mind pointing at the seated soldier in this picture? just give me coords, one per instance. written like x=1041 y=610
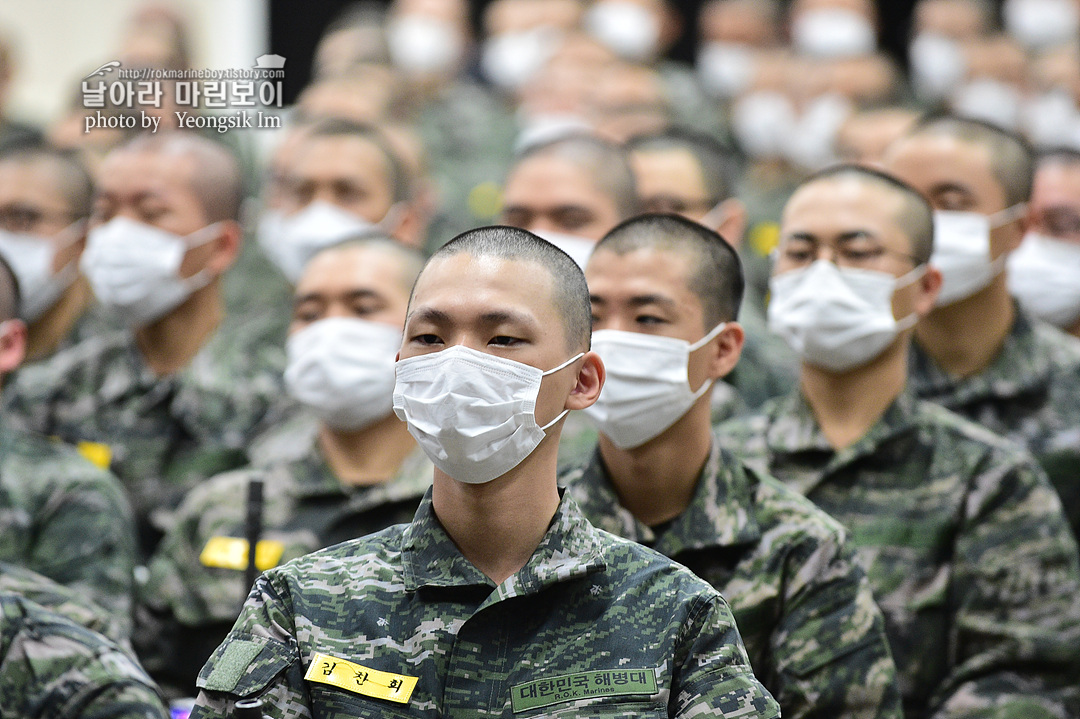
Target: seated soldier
x=60 y=516
x=499 y=599
x=968 y=552
x=665 y=293
x=175 y=396
x=51 y=666
x=354 y=468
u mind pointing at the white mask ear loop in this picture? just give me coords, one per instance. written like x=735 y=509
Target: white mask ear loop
x=903 y=281
x=201 y=278
x=553 y=370
x=698 y=345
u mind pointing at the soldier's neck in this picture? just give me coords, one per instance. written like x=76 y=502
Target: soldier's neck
x=656 y=481
x=169 y=344
x=499 y=524
x=963 y=338
x=46 y=334
x=1075 y=329
x=367 y=456
x=847 y=404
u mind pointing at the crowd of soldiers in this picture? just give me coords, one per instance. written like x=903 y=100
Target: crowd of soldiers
x=727 y=390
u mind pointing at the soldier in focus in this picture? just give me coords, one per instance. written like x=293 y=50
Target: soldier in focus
x=499 y=598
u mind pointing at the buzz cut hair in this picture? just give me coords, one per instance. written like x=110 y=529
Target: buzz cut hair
x=569 y=292
x=216 y=180
x=400 y=188
x=10 y=295
x=718 y=166
x=1068 y=156
x=716 y=271
x=606 y=164
x=1012 y=159
x=915 y=217
x=71 y=177
x=410 y=259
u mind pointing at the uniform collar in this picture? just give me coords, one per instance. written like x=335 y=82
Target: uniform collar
x=1020 y=367
x=315 y=479
x=720 y=514
x=570 y=549
x=793 y=434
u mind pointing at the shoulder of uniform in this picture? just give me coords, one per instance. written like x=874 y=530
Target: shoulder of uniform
x=780 y=508
x=942 y=421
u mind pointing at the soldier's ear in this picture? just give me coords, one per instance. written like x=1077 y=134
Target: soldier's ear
x=12 y=344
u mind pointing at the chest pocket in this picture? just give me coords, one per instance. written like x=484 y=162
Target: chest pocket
x=332 y=703
x=607 y=708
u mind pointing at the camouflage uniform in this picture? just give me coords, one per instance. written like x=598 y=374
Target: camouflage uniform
x=579 y=434
x=815 y=637
x=965 y=544
x=1030 y=394
x=591 y=626
x=195 y=589
x=62 y=517
x=66 y=602
x=52 y=668
x=159 y=435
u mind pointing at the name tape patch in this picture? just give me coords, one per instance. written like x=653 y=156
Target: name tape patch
x=232 y=553
x=359 y=679
x=584 y=685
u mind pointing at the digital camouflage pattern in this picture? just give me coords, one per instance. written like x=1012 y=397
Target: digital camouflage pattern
x=159 y=435
x=582 y=630
x=803 y=605
x=64 y=518
x=579 y=435
x=965 y=544
x=52 y=668
x=188 y=607
x=1030 y=394
x=66 y=602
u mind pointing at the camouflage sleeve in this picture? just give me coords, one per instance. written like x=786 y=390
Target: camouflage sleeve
x=1017 y=593
x=259 y=658
x=55 y=668
x=830 y=655
x=713 y=677
x=86 y=537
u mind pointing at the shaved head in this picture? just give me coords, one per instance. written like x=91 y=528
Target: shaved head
x=214 y=177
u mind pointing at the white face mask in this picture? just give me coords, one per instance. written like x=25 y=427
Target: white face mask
x=812 y=141
x=1044 y=275
x=962 y=251
x=134 y=268
x=763 y=123
x=292 y=240
x=423 y=45
x=990 y=100
x=343 y=369
x=837 y=318
x=629 y=30
x=511 y=59
x=647 y=387
x=937 y=65
x=726 y=68
x=833 y=32
x=1039 y=24
x=580 y=249
x=1052 y=119
x=31 y=259
x=472 y=413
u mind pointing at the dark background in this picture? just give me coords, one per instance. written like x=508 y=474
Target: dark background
x=295 y=27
